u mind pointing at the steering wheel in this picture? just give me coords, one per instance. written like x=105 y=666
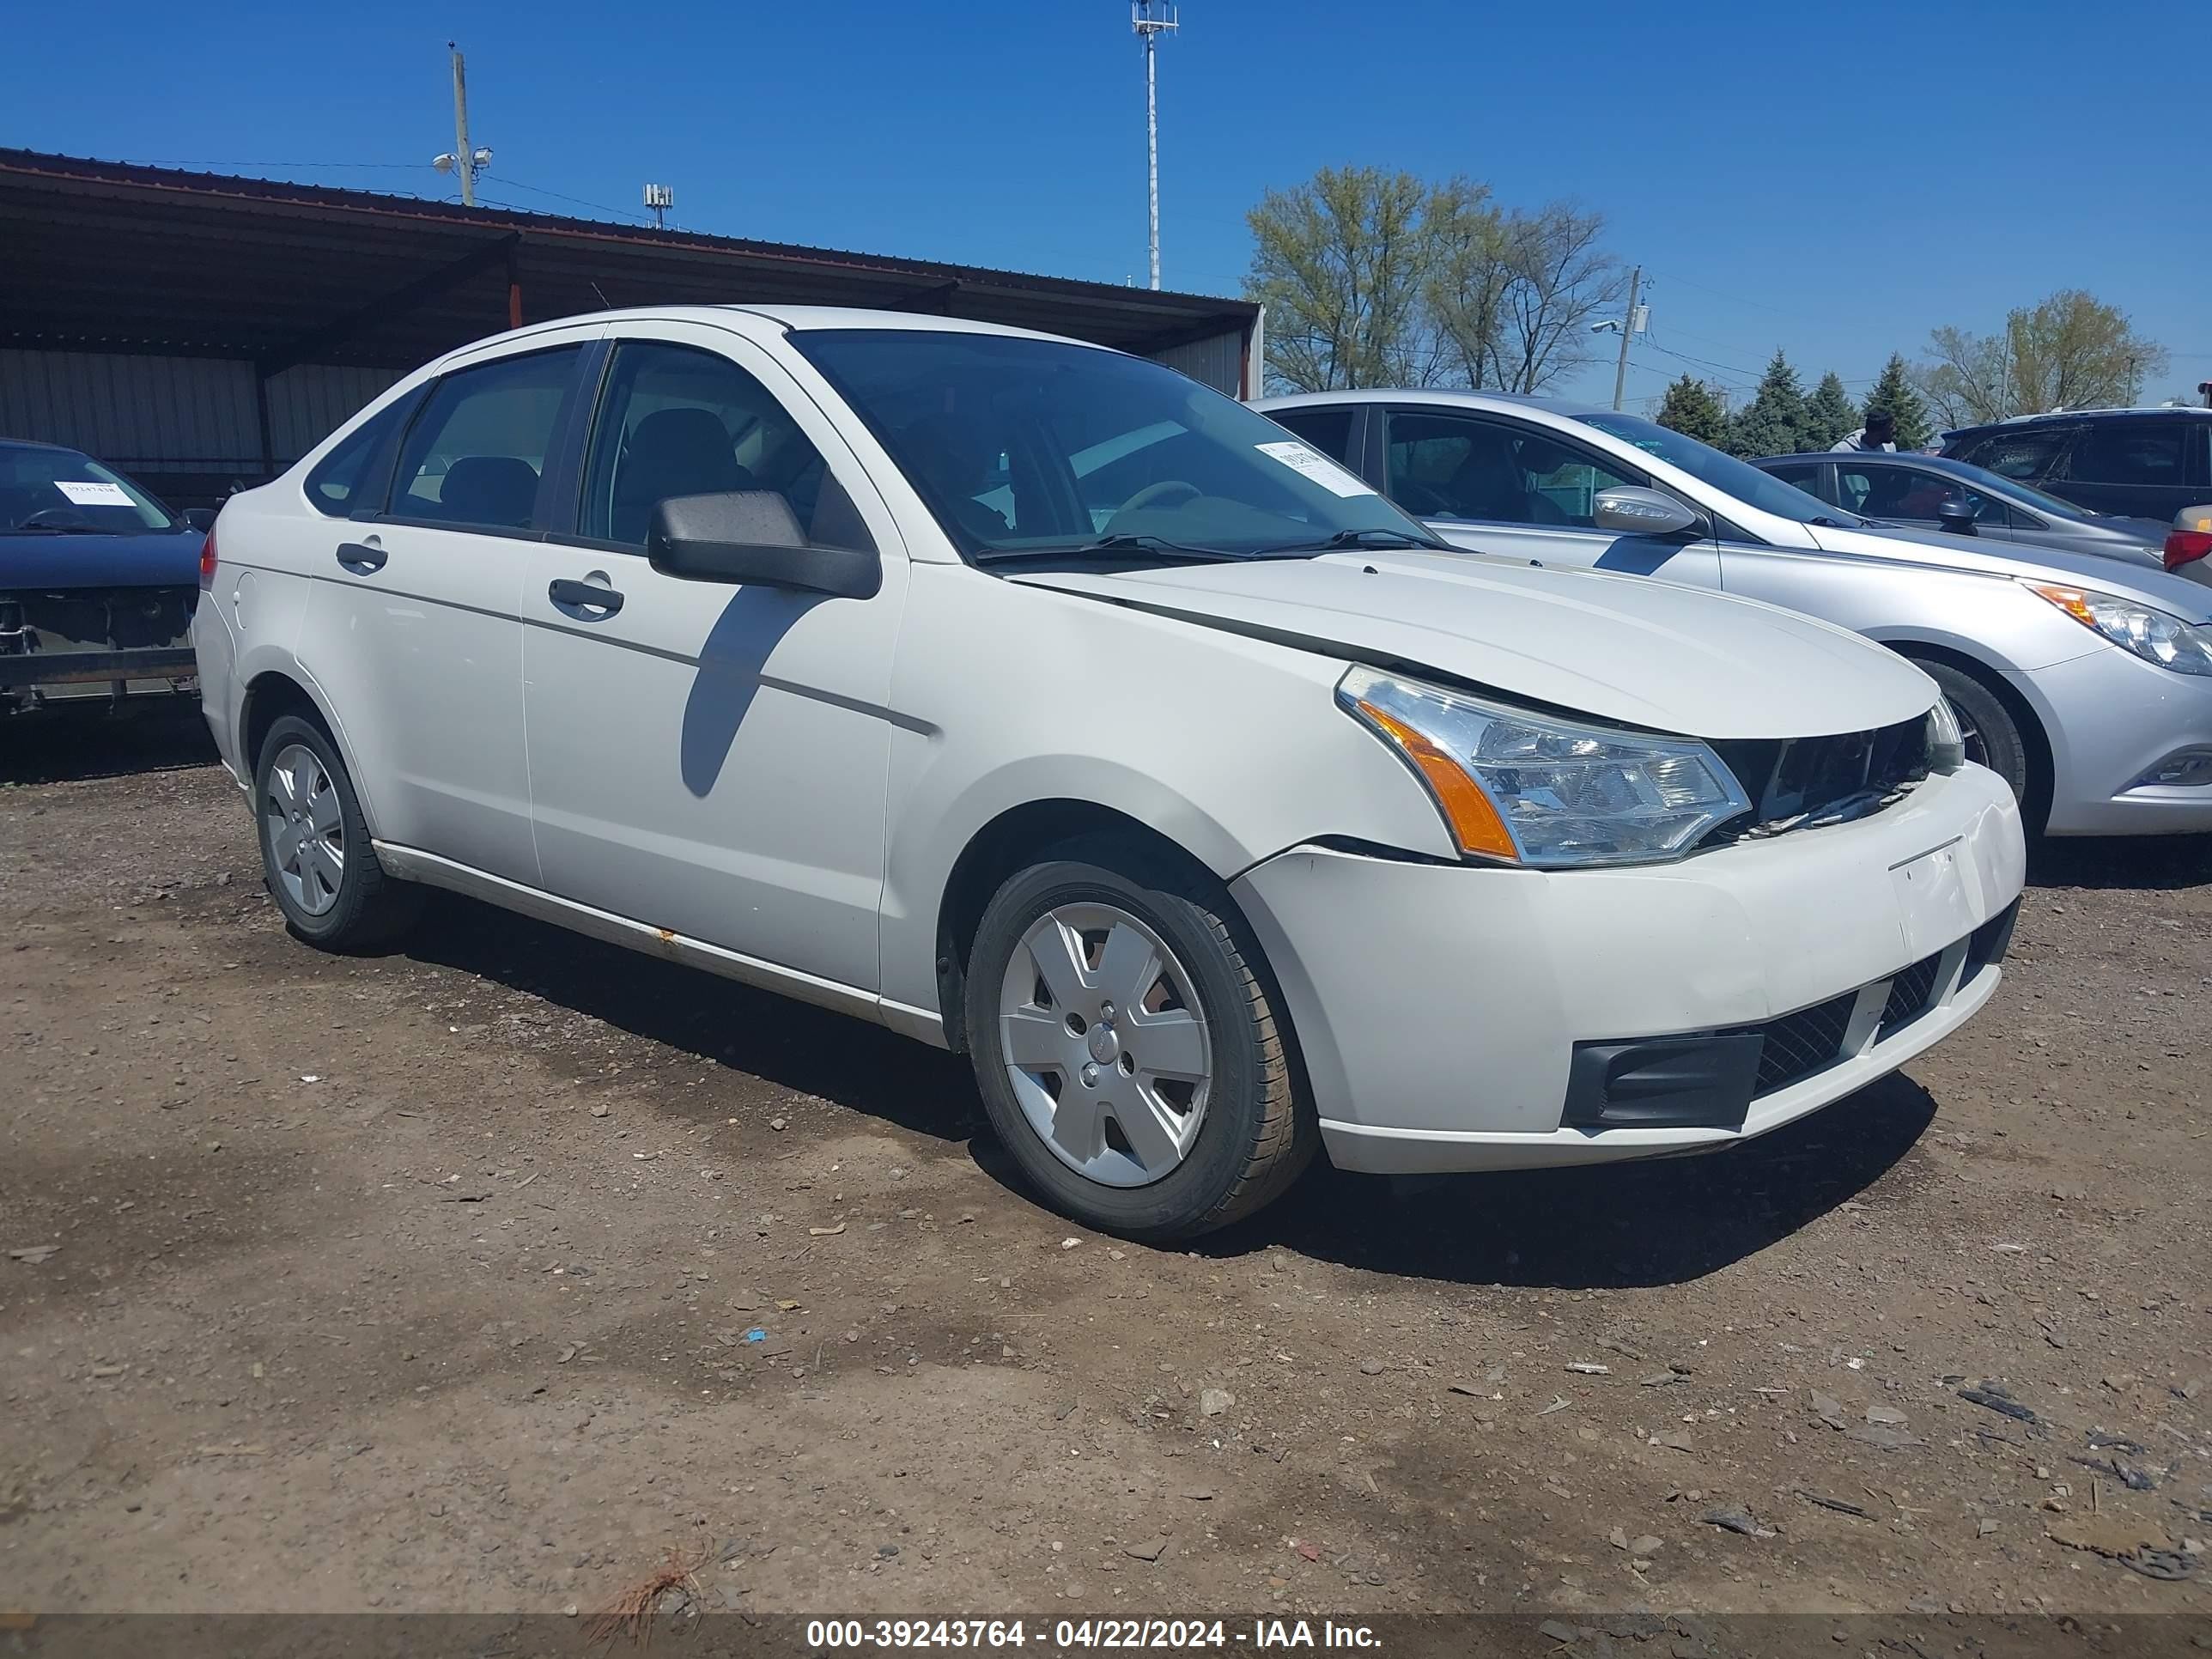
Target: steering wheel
x=1422 y=501
x=54 y=518
x=1151 y=494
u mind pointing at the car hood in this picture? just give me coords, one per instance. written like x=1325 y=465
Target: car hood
x=157 y=559
x=1623 y=648
x=1987 y=555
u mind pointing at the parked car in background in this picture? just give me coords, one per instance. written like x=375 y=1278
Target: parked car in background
x=98 y=580
x=1035 y=701
x=1933 y=492
x=2085 y=681
x=2134 y=463
x=2189 y=545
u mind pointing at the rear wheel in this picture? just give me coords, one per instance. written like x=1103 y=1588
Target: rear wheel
x=1993 y=736
x=1126 y=1048
x=315 y=855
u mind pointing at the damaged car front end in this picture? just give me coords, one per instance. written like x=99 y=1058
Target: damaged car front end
x=98 y=582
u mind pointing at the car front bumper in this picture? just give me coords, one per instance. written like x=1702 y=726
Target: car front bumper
x=2113 y=722
x=1439 y=1008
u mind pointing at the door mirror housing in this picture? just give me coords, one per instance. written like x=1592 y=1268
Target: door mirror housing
x=752 y=536
x=1634 y=510
x=201 y=519
x=1955 y=516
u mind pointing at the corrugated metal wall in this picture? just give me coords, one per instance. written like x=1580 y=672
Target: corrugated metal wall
x=1216 y=361
x=174 y=414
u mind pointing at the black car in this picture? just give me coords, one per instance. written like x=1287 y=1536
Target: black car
x=2138 y=463
x=1933 y=492
x=98 y=580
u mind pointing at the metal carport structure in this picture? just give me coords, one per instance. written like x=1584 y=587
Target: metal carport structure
x=202 y=330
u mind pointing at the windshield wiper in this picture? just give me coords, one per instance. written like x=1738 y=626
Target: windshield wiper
x=1114 y=546
x=1379 y=539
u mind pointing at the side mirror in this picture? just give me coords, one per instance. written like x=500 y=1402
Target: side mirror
x=201 y=519
x=1955 y=516
x=751 y=535
x=1633 y=510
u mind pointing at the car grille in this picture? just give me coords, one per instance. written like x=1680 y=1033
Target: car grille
x=1797 y=1045
x=1802 y=783
x=1910 y=993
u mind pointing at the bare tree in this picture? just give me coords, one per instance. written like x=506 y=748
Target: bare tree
x=1561 y=279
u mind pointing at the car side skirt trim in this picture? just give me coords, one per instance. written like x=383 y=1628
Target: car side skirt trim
x=412 y=864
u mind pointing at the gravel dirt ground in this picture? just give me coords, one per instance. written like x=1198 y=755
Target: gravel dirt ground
x=480 y=1275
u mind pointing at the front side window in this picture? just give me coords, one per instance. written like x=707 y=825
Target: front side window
x=1804 y=477
x=60 y=492
x=2131 y=452
x=475 y=454
x=1458 y=466
x=1022 y=447
x=677 y=421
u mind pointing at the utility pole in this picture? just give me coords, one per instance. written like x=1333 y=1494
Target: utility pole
x=1149 y=19
x=461 y=159
x=1627 y=328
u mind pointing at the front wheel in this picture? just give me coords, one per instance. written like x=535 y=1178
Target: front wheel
x=1992 y=736
x=1126 y=1046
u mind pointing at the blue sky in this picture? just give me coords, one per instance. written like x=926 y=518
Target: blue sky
x=1833 y=180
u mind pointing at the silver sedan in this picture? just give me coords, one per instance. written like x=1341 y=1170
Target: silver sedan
x=2085 y=681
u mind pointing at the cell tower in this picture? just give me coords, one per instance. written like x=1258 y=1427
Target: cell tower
x=1150 y=19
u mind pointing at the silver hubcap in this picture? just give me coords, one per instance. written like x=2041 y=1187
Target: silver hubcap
x=306 y=831
x=1105 y=1045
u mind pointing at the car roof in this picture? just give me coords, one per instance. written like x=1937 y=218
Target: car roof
x=35 y=443
x=2112 y=412
x=1882 y=458
x=1498 y=401
x=795 y=319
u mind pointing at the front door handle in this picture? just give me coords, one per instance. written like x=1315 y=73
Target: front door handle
x=360 y=558
x=572 y=597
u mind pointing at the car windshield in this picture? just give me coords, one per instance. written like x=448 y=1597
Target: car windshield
x=58 y=491
x=1027 y=448
x=1739 y=479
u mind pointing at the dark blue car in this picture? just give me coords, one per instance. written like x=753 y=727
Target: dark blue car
x=97 y=582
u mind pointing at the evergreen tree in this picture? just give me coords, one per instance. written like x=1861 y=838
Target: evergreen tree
x=1691 y=409
x=1830 y=415
x=1773 y=422
x=1894 y=393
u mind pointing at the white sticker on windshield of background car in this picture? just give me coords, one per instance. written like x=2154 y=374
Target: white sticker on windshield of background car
x=1316 y=465
x=91 y=494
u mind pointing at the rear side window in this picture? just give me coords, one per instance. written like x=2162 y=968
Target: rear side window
x=342 y=478
x=2030 y=453
x=2133 y=453
x=475 y=454
x=1328 y=430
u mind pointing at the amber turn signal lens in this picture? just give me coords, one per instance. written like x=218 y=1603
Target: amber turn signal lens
x=1474 y=822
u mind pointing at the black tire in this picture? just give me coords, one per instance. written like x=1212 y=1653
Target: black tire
x=1257 y=1135
x=1993 y=735
x=371 y=909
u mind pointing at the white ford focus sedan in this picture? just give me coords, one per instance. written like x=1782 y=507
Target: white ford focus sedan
x=1037 y=702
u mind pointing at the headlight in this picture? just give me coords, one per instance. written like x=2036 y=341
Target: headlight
x=1947 y=744
x=2151 y=635
x=1534 y=789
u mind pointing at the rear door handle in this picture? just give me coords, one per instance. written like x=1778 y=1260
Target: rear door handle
x=360 y=558
x=572 y=597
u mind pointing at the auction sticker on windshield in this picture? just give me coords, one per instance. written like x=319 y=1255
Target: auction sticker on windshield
x=1316 y=465
x=91 y=493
